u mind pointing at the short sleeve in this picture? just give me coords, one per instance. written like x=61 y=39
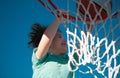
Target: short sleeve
x=36 y=61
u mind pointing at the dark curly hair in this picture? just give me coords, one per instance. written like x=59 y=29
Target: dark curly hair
x=36 y=34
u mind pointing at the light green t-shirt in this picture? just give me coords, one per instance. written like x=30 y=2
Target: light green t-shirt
x=51 y=66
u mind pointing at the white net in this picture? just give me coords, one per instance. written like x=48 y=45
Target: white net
x=94 y=46
x=93 y=36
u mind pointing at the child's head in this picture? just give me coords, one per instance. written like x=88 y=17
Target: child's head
x=58 y=44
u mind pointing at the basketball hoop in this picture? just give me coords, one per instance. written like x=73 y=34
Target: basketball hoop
x=94 y=27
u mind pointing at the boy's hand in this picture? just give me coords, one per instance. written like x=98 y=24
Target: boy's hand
x=62 y=15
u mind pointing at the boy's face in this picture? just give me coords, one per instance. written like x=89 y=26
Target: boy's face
x=59 y=43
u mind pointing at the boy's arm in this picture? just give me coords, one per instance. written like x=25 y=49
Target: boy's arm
x=49 y=34
x=47 y=38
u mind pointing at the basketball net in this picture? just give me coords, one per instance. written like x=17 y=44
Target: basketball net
x=93 y=37
x=98 y=47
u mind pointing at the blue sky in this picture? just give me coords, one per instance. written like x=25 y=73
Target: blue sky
x=16 y=17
